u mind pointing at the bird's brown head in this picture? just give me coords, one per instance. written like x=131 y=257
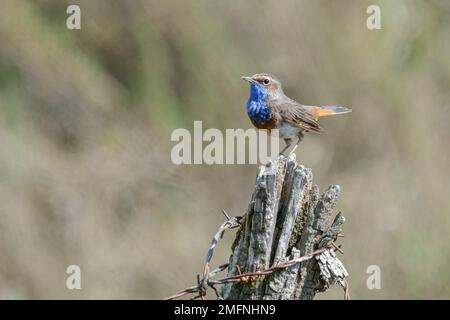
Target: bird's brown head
x=268 y=81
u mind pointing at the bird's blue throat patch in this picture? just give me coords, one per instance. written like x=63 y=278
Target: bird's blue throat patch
x=257 y=108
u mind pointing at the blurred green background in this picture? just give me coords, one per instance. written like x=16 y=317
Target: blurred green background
x=86 y=117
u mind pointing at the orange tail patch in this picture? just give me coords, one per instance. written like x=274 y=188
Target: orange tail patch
x=330 y=111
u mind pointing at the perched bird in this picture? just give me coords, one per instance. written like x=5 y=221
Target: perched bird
x=269 y=108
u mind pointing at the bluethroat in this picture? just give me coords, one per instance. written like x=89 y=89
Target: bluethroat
x=269 y=108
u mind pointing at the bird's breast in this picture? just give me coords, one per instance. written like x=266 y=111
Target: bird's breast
x=269 y=124
x=288 y=131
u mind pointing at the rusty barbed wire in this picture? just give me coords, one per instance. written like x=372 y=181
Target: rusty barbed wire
x=203 y=283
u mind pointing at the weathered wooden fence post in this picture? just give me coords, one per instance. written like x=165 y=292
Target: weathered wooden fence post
x=286 y=220
x=285 y=245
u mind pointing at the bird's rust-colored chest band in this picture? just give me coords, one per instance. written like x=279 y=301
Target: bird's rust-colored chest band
x=272 y=123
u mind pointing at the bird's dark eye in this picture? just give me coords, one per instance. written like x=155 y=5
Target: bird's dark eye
x=266 y=81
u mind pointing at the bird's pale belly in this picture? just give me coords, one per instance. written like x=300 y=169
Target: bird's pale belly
x=288 y=131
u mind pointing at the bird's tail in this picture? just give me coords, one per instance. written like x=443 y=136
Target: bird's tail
x=330 y=111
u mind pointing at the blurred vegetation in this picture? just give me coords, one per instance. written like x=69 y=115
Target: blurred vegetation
x=86 y=117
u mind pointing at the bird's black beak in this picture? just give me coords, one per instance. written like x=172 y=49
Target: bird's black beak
x=249 y=79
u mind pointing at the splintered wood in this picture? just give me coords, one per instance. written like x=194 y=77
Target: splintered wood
x=286 y=221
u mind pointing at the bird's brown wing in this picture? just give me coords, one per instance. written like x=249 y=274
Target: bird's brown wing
x=294 y=113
